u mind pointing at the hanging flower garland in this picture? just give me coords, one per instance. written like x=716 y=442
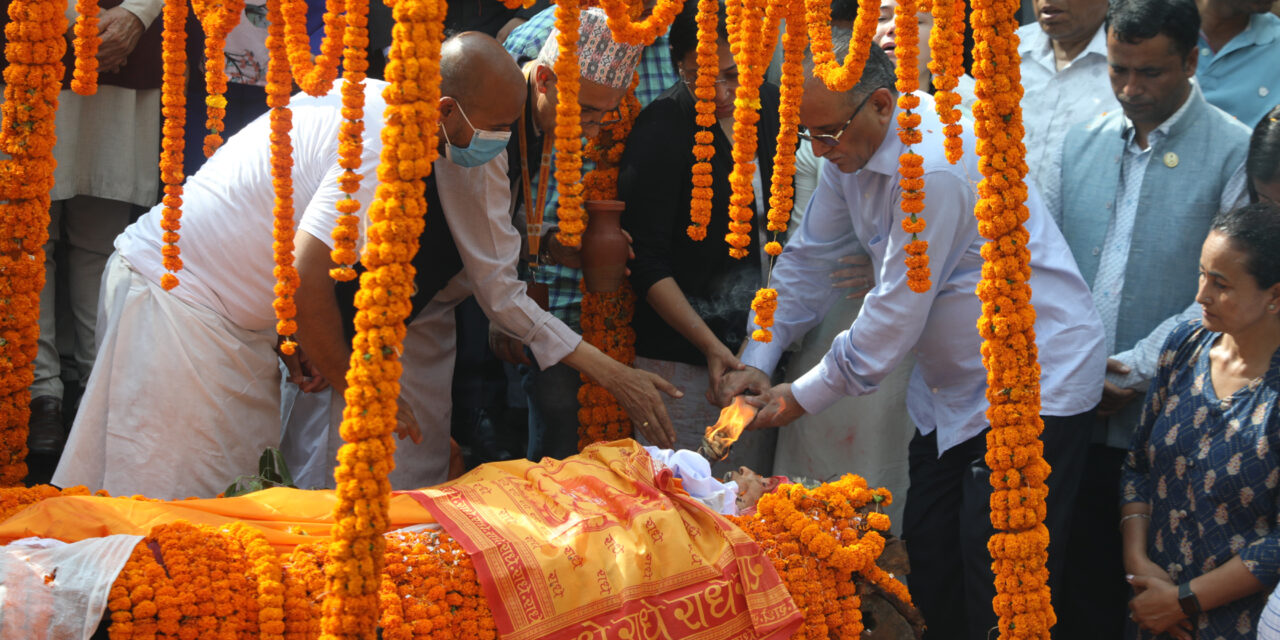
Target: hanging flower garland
x=643 y=32
x=840 y=76
x=32 y=81
x=946 y=45
x=84 y=79
x=572 y=219
x=782 y=192
x=173 y=107
x=351 y=138
x=314 y=75
x=756 y=27
x=606 y=317
x=217 y=18
x=911 y=164
x=1014 y=450
x=396 y=221
x=705 y=92
x=279 y=84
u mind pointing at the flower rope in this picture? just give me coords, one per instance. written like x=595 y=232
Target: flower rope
x=911 y=164
x=84 y=78
x=314 y=75
x=756 y=27
x=840 y=76
x=217 y=18
x=32 y=81
x=705 y=92
x=351 y=138
x=643 y=32
x=946 y=45
x=1015 y=453
x=173 y=102
x=355 y=559
x=279 y=84
x=572 y=218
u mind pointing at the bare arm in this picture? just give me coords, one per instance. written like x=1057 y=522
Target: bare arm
x=636 y=390
x=666 y=297
x=319 y=322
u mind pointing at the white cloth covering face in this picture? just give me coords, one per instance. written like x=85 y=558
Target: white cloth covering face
x=70 y=604
x=694 y=473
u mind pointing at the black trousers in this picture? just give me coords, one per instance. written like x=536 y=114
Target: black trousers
x=947 y=523
x=1096 y=596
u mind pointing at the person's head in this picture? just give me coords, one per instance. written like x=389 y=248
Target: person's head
x=887 y=34
x=751 y=487
x=1151 y=49
x=481 y=95
x=843 y=13
x=1263 y=163
x=605 y=71
x=847 y=127
x=1235 y=8
x=1240 y=270
x=1070 y=20
x=683 y=41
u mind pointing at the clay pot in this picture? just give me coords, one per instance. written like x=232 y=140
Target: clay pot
x=604 y=246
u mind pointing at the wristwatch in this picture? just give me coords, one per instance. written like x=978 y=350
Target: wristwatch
x=1188 y=601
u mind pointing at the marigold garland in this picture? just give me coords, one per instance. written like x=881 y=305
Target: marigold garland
x=314 y=75
x=351 y=138
x=840 y=76
x=754 y=28
x=396 y=221
x=1007 y=325
x=173 y=107
x=910 y=165
x=643 y=32
x=32 y=81
x=705 y=92
x=84 y=78
x=279 y=85
x=569 y=212
x=217 y=18
x=764 y=304
x=946 y=46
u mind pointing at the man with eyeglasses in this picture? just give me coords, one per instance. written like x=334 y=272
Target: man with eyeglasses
x=858 y=203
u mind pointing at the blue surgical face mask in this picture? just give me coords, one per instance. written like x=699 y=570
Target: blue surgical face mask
x=485 y=145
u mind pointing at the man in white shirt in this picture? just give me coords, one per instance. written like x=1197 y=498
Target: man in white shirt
x=858 y=200
x=1064 y=81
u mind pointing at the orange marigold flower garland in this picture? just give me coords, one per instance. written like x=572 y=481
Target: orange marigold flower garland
x=351 y=138
x=396 y=221
x=756 y=27
x=1007 y=325
x=32 y=81
x=572 y=218
x=84 y=79
x=705 y=92
x=315 y=75
x=218 y=18
x=642 y=32
x=840 y=76
x=173 y=107
x=794 y=41
x=606 y=316
x=910 y=163
x=279 y=84
x=946 y=46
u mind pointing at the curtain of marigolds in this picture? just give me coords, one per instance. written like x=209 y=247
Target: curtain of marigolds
x=32 y=80
x=409 y=147
x=1014 y=449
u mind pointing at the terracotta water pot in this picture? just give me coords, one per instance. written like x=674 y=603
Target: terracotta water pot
x=604 y=246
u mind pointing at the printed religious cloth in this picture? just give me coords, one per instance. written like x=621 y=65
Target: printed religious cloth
x=605 y=544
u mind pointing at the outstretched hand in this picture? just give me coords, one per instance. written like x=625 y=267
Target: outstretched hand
x=735 y=383
x=778 y=407
x=638 y=392
x=302 y=371
x=407 y=423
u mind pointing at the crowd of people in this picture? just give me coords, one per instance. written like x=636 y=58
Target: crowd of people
x=1153 y=202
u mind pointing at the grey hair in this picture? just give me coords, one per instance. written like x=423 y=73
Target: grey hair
x=878 y=73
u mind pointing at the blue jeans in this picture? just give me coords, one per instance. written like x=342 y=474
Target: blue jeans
x=553 y=410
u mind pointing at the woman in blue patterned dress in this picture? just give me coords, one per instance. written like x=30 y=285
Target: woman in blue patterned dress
x=1201 y=484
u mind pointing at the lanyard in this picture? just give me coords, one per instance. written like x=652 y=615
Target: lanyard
x=533 y=209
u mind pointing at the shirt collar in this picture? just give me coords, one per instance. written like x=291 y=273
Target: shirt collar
x=886 y=158
x=1128 y=132
x=1038 y=46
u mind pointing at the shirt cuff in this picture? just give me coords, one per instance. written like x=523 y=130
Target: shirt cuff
x=761 y=355
x=813 y=392
x=551 y=340
x=145 y=10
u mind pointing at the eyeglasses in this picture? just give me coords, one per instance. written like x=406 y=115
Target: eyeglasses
x=833 y=140
x=592 y=115
x=691 y=80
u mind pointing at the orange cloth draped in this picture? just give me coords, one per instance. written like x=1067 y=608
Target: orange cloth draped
x=602 y=545
x=287 y=517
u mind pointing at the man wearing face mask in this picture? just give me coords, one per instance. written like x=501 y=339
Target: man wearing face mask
x=471 y=249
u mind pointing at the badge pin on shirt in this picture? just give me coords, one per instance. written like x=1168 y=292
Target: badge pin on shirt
x=1171 y=159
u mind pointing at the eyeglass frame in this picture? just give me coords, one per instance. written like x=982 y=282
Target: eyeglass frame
x=582 y=110
x=829 y=140
x=692 y=84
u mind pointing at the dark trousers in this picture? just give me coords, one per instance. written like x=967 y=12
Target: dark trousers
x=947 y=523
x=1096 y=596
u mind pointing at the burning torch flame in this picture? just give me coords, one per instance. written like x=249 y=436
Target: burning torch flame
x=726 y=431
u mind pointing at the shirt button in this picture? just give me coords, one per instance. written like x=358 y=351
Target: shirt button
x=1204 y=51
x=1097 y=251
x=935 y=389
x=1263 y=91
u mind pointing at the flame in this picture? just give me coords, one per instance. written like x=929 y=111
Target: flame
x=733 y=419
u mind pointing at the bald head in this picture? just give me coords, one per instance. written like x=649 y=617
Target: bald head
x=480 y=75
